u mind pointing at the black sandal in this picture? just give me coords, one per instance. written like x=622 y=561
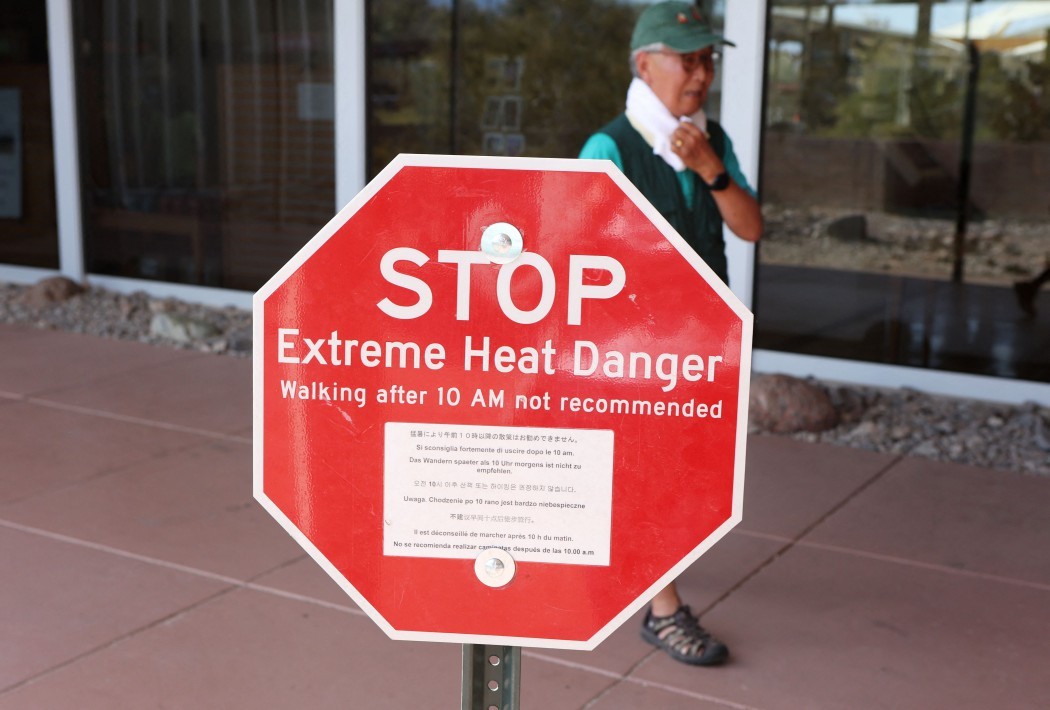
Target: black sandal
x=684 y=639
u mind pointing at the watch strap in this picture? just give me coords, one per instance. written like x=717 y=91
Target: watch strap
x=719 y=183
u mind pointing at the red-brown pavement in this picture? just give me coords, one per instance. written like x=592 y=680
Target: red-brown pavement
x=136 y=571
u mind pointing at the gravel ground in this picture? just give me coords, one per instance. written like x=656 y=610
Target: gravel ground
x=136 y=317
x=904 y=421
x=897 y=421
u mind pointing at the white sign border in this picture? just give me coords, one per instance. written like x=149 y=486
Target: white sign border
x=499 y=163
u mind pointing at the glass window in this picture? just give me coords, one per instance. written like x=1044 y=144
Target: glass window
x=207 y=136
x=905 y=168
x=498 y=77
x=28 y=227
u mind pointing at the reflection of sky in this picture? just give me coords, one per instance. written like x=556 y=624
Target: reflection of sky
x=948 y=19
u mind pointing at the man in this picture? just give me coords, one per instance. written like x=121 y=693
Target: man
x=685 y=166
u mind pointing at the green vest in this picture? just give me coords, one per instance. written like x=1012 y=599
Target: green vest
x=700 y=226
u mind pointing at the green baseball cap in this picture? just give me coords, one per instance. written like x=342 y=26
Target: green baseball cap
x=679 y=26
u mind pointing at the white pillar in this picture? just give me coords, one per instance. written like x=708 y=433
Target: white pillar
x=351 y=99
x=742 y=79
x=64 y=138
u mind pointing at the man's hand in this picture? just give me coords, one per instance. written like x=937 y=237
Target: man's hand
x=690 y=144
x=739 y=209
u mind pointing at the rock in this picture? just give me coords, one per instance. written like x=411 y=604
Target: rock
x=56 y=289
x=1039 y=437
x=900 y=432
x=848 y=402
x=851 y=228
x=864 y=430
x=181 y=329
x=783 y=404
x=126 y=306
x=927 y=449
x=240 y=341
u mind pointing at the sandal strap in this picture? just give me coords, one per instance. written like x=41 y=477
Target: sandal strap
x=682 y=632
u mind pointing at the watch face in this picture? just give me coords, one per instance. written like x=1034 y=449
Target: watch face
x=720 y=183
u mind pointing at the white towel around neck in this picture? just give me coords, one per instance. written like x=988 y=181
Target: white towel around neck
x=647 y=113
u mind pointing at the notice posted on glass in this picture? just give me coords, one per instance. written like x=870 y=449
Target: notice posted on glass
x=543 y=495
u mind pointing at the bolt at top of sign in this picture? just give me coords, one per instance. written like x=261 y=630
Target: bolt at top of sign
x=500 y=400
x=501 y=243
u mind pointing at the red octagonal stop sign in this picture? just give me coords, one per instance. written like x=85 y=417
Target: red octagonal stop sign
x=500 y=400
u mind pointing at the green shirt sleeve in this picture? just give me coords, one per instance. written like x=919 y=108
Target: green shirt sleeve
x=733 y=167
x=602 y=147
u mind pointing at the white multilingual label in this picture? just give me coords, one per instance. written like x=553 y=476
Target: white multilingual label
x=543 y=495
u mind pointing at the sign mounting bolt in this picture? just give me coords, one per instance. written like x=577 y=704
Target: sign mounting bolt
x=502 y=242
x=494 y=567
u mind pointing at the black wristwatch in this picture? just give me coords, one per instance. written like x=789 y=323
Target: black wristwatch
x=719 y=183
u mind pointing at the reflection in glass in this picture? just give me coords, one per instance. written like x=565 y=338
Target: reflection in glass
x=904 y=183
x=28 y=226
x=207 y=134
x=500 y=77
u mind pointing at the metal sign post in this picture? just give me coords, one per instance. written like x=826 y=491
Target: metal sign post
x=491 y=677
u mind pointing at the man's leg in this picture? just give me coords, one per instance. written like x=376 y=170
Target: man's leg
x=666 y=601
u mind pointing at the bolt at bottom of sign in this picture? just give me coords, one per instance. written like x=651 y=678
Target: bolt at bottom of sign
x=494 y=567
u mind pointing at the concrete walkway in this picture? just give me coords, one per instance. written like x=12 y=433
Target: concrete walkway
x=137 y=572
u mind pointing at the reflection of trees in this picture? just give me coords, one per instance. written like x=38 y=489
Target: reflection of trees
x=575 y=68
x=1013 y=101
x=1014 y=105
x=408 y=79
x=825 y=71
x=575 y=73
x=936 y=100
x=872 y=82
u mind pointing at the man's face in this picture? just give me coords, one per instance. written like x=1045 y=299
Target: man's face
x=680 y=81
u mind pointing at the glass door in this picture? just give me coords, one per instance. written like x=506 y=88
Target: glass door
x=28 y=225
x=207 y=133
x=906 y=184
